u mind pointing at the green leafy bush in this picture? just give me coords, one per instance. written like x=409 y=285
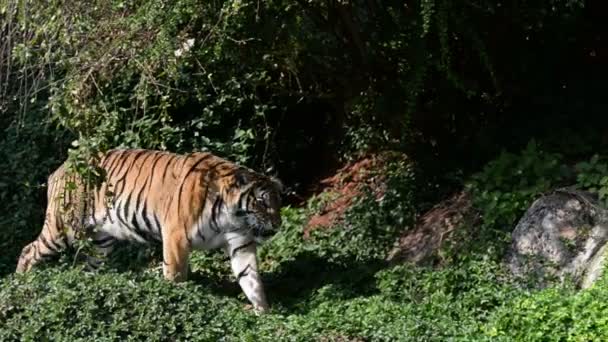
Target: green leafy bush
x=354 y=76
x=371 y=225
x=320 y=288
x=553 y=314
x=592 y=176
x=28 y=153
x=506 y=187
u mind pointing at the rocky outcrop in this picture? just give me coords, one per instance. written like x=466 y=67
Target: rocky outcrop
x=347 y=184
x=421 y=244
x=563 y=235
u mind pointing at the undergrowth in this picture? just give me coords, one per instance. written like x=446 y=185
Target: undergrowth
x=331 y=286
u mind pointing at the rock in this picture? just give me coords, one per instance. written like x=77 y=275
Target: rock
x=562 y=236
x=595 y=268
x=421 y=244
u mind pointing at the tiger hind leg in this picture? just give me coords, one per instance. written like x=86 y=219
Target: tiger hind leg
x=51 y=241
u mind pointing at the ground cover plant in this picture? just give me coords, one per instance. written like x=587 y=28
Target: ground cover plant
x=333 y=285
x=502 y=101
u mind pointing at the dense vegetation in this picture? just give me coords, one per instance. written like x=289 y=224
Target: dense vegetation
x=504 y=100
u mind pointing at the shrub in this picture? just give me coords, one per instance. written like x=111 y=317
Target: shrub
x=592 y=175
x=371 y=225
x=319 y=288
x=506 y=187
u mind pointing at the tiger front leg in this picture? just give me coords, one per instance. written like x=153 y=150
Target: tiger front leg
x=243 y=260
x=176 y=253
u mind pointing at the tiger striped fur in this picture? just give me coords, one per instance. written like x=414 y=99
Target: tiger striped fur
x=194 y=201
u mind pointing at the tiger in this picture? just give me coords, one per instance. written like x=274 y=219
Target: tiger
x=182 y=201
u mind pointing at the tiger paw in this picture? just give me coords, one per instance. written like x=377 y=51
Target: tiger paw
x=259 y=310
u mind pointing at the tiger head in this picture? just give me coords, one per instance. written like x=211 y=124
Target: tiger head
x=258 y=203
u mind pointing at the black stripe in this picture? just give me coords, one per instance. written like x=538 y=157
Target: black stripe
x=53 y=243
x=248 y=201
x=39 y=256
x=153 y=169
x=157 y=223
x=116 y=166
x=181 y=186
x=244 y=195
x=103 y=240
x=138 y=155
x=150 y=228
x=117 y=210
x=119 y=188
x=59 y=241
x=134 y=224
x=144 y=214
x=127 y=206
x=199 y=232
x=214 y=213
x=44 y=257
x=112 y=163
x=239 y=203
x=137 y=229
x=204 y=202
x=143 y=187
x=228 y=174
x=26 y=249
x=242 y=273
x=122 y=178
x=50 y=246
x=106 y=158
x=108 y=213
x=108 y=244
x=234 y=251
x=35 y=251
x=166 y=168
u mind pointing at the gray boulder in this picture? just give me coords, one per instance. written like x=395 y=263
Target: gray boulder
x=563 y=235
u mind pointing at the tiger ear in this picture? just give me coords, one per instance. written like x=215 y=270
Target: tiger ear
x=270 y=171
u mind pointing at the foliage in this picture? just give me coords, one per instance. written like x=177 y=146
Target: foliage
x=27 y=151
x=553 y=314
x=506 y=187
x=328 y=286
x=222 y=75
x=312 y=298
x=283 y=84
x=371 y=225
x=297 y=85
x=592 y=176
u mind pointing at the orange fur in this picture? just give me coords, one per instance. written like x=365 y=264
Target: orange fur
x=153 y=195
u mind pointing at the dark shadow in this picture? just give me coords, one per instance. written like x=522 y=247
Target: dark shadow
x=134 y=257
x=127 y=256
x=293 y=286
